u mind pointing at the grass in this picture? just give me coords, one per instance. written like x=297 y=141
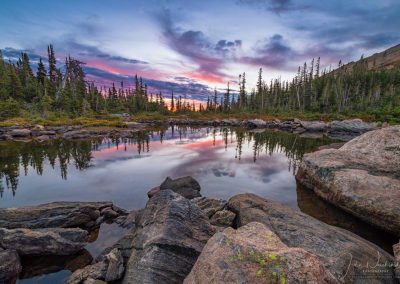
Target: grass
x=104 y=120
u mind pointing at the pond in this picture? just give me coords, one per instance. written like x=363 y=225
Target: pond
x=225 y=161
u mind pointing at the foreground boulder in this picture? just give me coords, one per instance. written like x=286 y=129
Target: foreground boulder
x=362 y=177
x=53 y=215
x=43 y=241
x=163 y=245
x=170 y=235
x=345 y=255
x=254 y=254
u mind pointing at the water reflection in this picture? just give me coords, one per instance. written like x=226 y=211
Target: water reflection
x=108 y=168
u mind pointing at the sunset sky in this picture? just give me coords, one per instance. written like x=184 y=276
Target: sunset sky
x=192 y=47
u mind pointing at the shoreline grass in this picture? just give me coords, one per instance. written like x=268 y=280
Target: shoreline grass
x=107 y=120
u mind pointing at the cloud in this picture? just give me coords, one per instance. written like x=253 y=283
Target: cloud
x=274 y=52
x=276 y=6
x=194 y=45
x=184 y=86
x=93 y=51
x=13 y=54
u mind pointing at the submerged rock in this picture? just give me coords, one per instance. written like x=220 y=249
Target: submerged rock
x=43 y=241
x=53 y=215
x=362 y=177
x=254 y=254
x=345 y=255
x=187 y=186
x=10 y=265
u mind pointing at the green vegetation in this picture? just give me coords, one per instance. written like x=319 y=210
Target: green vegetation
x=61 y=95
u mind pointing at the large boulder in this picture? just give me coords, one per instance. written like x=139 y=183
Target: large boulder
x=186 y=186
x=356 y=126
x=345 y=255
x=10 y=264
x=52 y=241
x=254 y=254
x=170 y=235
x=362 y=177
x=53 y=215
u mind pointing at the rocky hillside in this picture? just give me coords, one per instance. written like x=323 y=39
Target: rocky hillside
x=388 y=59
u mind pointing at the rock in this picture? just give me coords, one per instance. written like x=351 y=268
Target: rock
x=223 y=218
x=43 y=241
x=42 y=138
x=362 y=177
x=209 y=205
x=10 y=264
x=351 y=125
x=170 y=235
x=93 y=281
x=396 y=250
x=115 y=269
x=109 y=213
x=344 y=254
x=314 y=126
x=76 y=134
x=92 y=272
x=37 y=130
x=128 y=221
x=53 y=215
x=21 y=133
x=254 y=123
x=187 y=186
x=38 y=127
x=153 y=191
x=254 y=254
x=336 y=145
x=133 y=124
x=124 y=246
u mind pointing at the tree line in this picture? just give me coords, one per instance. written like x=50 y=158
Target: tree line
x=67 y=90
x=342 y=90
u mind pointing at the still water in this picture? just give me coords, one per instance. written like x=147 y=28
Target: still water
x=225 y=161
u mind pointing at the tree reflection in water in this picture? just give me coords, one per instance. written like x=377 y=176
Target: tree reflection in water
x=18 y=156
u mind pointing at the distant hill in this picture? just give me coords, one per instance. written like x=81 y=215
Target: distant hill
x=388 y=59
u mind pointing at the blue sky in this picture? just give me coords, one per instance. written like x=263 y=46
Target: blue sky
x=194 y=46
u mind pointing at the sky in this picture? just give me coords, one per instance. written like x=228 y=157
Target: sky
x=192 y=47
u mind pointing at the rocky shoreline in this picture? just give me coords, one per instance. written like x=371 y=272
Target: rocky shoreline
x=182 y=237
x=344 y=129
x=361 y=177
